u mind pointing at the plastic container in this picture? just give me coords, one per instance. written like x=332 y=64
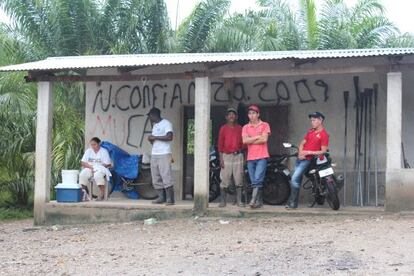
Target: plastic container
x=70 y=176
x=68 y=192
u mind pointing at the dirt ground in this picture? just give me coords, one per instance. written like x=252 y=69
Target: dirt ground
x=339 y=245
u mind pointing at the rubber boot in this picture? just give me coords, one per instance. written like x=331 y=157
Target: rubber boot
x=293 y=199
x=161 y=196
x=170 y=196
x=253 y=201
x=239 y=193
x=223 y=197
x=259 y=201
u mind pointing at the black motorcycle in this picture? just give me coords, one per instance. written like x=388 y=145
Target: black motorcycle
x=214 y=175
x=321 y=180
x=276 y=187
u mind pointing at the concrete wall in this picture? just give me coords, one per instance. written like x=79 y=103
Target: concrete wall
x=115 y=111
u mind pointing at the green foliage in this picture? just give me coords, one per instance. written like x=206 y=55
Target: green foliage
x=194 y=31
x=15 y=213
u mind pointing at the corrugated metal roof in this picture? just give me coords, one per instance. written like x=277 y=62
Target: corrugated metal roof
x=114 y=61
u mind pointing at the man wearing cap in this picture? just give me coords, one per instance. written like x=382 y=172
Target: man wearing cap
x=315 y=142
x=230 y=147
x=161 y=157
x=255 y=135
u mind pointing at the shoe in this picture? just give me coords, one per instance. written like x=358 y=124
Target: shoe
x=239 y=193
x=259 y=201
x=223 y=196
x=161 y=196
x=169 y=192
x=293 y=199
x=253 y=201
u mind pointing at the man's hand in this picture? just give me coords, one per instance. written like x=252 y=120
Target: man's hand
x=302 y=154
x=222 y=163
x=151 y=138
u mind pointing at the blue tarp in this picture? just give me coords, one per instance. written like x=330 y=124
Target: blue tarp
x=125 y=165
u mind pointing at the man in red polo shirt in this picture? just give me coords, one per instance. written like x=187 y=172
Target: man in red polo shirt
x=315 y=142
x=255 y=135
x=230 y=147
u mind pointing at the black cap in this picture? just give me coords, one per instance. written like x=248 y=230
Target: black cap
x=316 y=114
x=154 y=111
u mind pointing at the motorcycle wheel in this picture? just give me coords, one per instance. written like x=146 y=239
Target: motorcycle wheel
x=145 y=191
x=332 y=195
x=214 y=189
x=276 y=190
x=320 y=200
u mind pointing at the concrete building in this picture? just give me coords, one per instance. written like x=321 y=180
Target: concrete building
x=287 y=85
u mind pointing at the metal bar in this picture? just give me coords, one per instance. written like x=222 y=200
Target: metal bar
x=346 y=97
x=376 y=142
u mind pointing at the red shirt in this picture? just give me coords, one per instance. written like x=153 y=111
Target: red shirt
x=315 y=140
x=259 y=151
x=230 y=139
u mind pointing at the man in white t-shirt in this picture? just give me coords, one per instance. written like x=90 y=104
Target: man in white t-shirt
x=161 y=157
x=95 y=163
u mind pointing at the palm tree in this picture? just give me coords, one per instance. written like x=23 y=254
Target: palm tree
x=193 y=32
x=277 y=27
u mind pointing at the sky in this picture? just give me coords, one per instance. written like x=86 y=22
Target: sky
x=400 y=12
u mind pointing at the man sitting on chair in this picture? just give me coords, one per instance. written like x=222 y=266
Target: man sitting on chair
x=95 y=163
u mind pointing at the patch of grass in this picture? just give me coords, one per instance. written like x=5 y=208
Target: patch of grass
x=15 y=213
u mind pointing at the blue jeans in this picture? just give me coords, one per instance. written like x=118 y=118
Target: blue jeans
x=300 y=168
x=257 y=171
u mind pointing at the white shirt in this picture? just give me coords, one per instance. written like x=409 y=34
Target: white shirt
x=161 y=129
x=96 y=158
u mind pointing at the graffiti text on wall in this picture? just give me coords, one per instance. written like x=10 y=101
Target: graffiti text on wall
x=128 y=98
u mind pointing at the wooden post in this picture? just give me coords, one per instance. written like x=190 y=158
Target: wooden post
x=201 y=143
x=43 y=150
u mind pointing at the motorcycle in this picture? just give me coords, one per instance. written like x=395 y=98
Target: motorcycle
x=142 y=184
x=321 y=180
x=276 y=187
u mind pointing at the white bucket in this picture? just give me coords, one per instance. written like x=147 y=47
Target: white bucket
x=70 y=177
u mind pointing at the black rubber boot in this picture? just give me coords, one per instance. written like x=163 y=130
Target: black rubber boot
x=170 y=196
x=259 y=201
x=239 y=194
x=293 y=199
x=161 y=196
x=223 y=196
x=253 y=201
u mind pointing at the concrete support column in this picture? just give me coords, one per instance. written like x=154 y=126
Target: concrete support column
x=399 y=190
x=394 y=120
x=43 y=150
x=201 y=143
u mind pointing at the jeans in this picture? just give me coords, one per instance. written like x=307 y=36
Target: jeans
x=257 y=171
x=300 y=168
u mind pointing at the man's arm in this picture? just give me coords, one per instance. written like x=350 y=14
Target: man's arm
x=249 y=140
x=166 y=138
x=220 y=147
x=323 y=150
x=302 y=155
x=262 y=139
